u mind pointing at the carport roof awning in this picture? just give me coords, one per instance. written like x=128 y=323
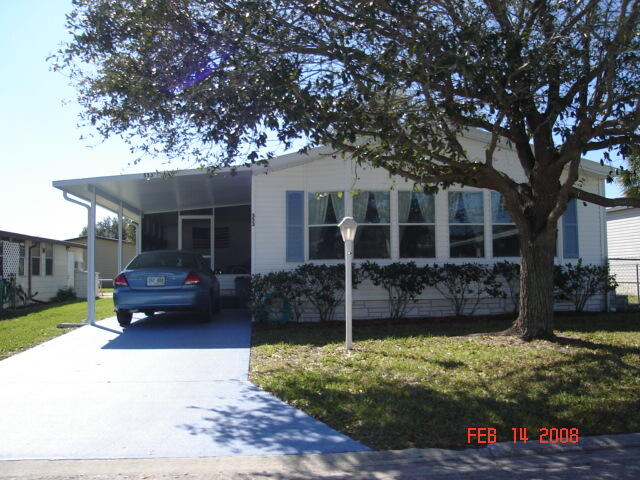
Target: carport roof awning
x=145 y=193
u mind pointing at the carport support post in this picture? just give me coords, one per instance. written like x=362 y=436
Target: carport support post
x=91 y=258
x=139 y=236
x=120 y=218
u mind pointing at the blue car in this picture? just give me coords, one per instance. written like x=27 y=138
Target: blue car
x=166 y=280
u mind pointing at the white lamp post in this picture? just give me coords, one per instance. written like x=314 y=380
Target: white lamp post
x=348 y=228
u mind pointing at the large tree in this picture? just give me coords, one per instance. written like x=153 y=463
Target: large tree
x=393 y=83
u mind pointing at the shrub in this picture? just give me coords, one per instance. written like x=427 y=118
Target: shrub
x=323 y=286
x=288 y=286
x=402 y=281
x=465 y=283
x=258 y=293
x=64 y=294
x=510 y=273
x=577 y=283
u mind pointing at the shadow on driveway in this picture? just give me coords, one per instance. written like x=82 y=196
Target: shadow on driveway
x=229 y=329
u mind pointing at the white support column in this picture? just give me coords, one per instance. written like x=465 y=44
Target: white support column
x=91 y=258
x=120 y=220
x=139 y=236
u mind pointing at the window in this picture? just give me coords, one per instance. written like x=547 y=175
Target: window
x=416 y=218
x=505 y=233
x=325 y=211
x=35 y=260
x=48 y=259
x=371 y=211
x=570 y=230
x=466 y=225
x=21 y=260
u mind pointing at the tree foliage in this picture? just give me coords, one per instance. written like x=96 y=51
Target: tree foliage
x=108 y=227
x=629 y=178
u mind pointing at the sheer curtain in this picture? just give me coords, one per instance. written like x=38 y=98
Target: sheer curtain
x=426 y=207
x=382 y=204
x=338 y=205
x=404 y=206
x=360 y=202
x=318 y=204
x=465 y=207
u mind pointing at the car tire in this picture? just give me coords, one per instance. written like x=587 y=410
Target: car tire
x=124 y=318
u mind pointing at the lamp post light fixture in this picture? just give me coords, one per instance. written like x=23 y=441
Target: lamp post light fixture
x=348 y=228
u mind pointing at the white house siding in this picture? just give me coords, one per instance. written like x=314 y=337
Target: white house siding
x=47 y=286
x=325 y=174
x=623 y=239
x=623 y=233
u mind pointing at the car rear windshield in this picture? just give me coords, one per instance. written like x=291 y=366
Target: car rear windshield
x=163 y=260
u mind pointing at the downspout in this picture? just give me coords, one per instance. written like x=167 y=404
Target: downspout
x=91 y=249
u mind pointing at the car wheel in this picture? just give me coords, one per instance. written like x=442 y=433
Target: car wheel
x=124 y=318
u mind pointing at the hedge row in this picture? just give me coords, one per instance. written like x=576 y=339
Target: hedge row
x=286 y=293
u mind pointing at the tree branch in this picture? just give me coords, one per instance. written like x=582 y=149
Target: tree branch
x=604 y=201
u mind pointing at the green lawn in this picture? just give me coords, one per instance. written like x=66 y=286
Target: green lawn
x=424 y=384
x=28 y=327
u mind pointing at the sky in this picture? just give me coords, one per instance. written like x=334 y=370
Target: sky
x=39 y=138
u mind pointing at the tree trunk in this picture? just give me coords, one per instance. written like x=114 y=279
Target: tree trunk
x=535 y=320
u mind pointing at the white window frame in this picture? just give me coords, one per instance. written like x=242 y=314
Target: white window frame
x=483 y=224
x=309 y=225
x=497 y=224
x=393 y=220
x=404 y=224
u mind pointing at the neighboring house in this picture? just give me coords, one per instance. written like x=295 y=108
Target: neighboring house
x=42 y=265
x=623 y=240
x=107 y=256
x=260 y=219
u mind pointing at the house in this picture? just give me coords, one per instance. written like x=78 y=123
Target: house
x=623 y=239
x=42 y=266
x=107 y=256
x=265 y=218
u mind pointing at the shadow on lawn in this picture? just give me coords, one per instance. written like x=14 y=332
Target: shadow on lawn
x=577 y=383
x=580 y=392
x=319 y=334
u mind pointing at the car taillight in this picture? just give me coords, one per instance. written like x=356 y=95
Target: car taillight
x=121 y=281
x=192 y=279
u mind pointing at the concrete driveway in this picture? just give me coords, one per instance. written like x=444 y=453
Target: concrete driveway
x=165 y=387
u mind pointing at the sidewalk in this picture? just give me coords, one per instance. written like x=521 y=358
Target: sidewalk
x=603 y=457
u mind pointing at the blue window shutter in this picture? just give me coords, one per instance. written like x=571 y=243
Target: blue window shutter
x=570 y=230
x=295 y=226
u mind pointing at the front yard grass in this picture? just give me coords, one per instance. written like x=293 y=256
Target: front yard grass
x=30 y=326
x=423 y=384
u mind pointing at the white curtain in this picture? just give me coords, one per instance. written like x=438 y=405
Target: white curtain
x=360 y=202
x=338 y=205
x=318 y=204
x=465 y=207
x=382 y=204
x=404 y=206
x=499 y=214
x=426 y=207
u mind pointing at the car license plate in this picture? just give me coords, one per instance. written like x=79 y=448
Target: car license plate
x=155 y=281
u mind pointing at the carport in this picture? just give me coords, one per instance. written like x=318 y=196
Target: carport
x=178 y=210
